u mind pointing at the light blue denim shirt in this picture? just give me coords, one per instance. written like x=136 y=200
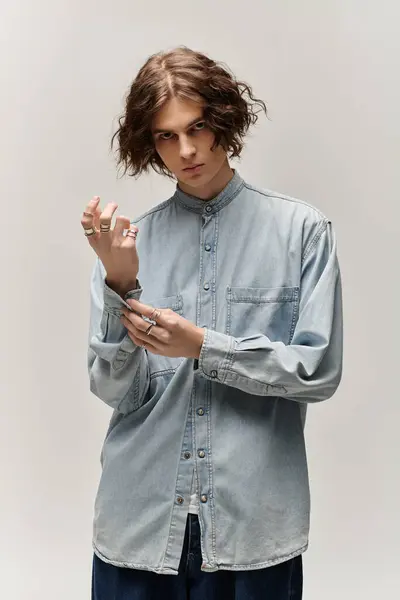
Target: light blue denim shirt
x=259 y=271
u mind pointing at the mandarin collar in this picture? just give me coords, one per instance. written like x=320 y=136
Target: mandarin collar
x=208 y=207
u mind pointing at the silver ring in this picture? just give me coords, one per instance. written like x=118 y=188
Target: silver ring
x=148 y=330
x=131 y=233
x=155 y=315
x=104 y=228
x=90 y=231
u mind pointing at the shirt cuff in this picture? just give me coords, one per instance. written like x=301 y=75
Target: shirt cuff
x=216 y=355
x=113 y=302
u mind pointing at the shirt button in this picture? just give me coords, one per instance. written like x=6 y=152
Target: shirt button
x=208 y=209
x=179 y=500
x=206 y=286
x=200 y=412
x=203 y=498
x=187 y=455
x=214 y=374
x=207 y=247
x=201 y=454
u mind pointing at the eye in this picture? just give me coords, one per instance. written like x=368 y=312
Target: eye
x=199 y=126
x=165 y=136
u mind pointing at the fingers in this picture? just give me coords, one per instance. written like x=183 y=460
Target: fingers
x=94 y=221
x=134 y=322
x=143 y=333
x=146 y=344
x=96 y=218
x=144 y=309
x=89 y=213
x=121 y=224
x=106 y=216
x=165 y=318
x=88 y=218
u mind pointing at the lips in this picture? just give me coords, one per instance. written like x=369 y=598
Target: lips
x=192 y=168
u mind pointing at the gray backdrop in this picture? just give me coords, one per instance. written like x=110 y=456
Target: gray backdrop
x=330 y=73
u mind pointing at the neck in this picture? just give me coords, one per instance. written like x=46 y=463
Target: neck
x=213 y=187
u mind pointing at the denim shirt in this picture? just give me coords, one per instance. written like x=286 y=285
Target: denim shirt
x=259 y=271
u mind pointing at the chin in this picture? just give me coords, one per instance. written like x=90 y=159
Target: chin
x=200 y=179
x=195 y=182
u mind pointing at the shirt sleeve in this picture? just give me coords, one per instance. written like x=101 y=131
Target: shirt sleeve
x=118 y=369
x=307 y=370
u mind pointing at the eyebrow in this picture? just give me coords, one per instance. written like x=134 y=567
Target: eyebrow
x=189 y=125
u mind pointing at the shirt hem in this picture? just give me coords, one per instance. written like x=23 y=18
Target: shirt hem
x=129 y=565
x=256 y=566
x=206 y=568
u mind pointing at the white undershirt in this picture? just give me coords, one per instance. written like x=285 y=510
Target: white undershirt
x=194 y=501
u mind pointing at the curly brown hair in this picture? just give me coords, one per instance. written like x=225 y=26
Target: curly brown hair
x=230 y=107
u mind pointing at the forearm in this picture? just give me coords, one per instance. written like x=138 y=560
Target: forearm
x=118 y=369
x=263 y=368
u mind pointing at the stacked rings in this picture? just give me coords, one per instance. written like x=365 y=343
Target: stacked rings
x=155 y=315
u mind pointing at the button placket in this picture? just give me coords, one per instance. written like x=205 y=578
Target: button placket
x=206 y=292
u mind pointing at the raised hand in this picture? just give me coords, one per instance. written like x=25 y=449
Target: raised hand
x=116 y=250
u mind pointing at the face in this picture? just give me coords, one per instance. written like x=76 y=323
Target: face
x=184 y=143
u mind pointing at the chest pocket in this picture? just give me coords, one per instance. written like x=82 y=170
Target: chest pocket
x=175 y=303
x=270 y=311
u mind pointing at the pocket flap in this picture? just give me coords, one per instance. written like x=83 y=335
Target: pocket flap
x=175 y=303
x=261 y=295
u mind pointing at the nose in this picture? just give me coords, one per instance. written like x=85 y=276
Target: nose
x=186 y=148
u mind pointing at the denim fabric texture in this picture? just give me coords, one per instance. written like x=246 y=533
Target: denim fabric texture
x=280 y=582
x=259 y=271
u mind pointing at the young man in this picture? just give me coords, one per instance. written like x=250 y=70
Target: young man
x=209 y=357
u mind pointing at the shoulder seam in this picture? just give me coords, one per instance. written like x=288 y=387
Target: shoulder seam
x=321 y=229
x=272 y=194
x=153 y=210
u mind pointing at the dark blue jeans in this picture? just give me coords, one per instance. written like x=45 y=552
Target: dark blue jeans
x=280 y=582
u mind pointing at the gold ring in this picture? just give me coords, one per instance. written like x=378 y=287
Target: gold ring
x=104 y=228
x=89 y=232
x=148 y=330
x=87 y=214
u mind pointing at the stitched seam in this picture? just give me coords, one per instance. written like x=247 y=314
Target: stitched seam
x=228 y=312
x=126 y=398
x=229 y=365
x=262 y=383
x=234 y=567
x=295 y=316
x=314 y=241
x=154 y=210
x=272 y=194
x=227 y=200
x=250 y=300
x=230 y=198
x=156 y=374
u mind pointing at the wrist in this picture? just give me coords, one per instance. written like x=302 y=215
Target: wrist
x=199 y=337
x=122 y=288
